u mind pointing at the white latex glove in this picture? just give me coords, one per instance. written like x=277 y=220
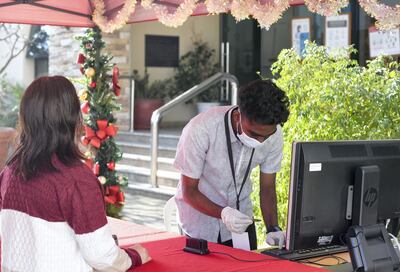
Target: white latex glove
x=276 y=238
x=234 y=220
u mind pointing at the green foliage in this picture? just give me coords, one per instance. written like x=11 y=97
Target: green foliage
x=333 y=98
x=158 y=89
x=10 y=96
x=194 y=67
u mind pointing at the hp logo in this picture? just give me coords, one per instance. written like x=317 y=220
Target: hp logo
x=370 y=197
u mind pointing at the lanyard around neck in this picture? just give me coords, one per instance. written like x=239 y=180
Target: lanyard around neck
x=229 y=146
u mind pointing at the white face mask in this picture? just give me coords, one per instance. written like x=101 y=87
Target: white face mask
x=245 y=139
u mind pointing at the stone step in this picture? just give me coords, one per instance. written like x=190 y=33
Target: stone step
x=167 y=140
x=144 y=149
x=142 y=175
x=145 y=189
x=144 y=161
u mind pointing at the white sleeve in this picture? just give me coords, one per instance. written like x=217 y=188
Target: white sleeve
x=192 y=149
x=101 y=253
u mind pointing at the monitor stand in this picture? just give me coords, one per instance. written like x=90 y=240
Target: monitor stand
x=365 y=198
x=369 y=245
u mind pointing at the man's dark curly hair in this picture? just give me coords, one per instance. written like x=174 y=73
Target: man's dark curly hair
x=261 y=101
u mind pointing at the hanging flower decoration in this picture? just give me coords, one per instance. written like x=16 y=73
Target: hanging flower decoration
x=326 y=7
x=120 y=19
x=217 y=6
x=240 y=9
x=265 y=13
x=176 y=18
x=146 y=3
x=387 y=17
x=268 y=13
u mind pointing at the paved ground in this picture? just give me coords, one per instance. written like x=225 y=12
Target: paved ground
x=145 y=210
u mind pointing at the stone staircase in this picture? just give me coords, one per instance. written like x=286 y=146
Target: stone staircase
x=135 y=163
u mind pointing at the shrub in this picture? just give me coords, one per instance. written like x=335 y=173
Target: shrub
x=10 y=96
x=332 y=98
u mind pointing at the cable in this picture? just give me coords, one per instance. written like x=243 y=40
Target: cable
x=316 y=262
x=249 y=261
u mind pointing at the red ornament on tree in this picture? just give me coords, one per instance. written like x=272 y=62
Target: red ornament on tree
x=96 y=169
x=82 y=70
x=92 y=85
x=81 y=59
x=111 y=166
x=116 y=87
x=85 y=107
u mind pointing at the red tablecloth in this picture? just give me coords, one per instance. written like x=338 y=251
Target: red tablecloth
x=168 y=255
x=129 y=233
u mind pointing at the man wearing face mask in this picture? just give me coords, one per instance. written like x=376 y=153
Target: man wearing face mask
x=215 y=155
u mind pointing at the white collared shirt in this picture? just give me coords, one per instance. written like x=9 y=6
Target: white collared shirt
x=202 y=154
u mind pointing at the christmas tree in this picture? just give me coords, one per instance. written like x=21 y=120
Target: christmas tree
x=99 y=104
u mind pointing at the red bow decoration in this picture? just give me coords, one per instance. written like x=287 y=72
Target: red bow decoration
x=111 y=130
x=96 y=137
x=116 y=87
x=91 y=138
x=114 y=195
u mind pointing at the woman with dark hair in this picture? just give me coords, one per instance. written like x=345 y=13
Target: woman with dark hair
x=52 y=215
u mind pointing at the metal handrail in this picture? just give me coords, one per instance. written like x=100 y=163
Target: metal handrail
x=186 y=96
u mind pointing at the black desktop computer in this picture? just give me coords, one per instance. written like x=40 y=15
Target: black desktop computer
x=335 y=185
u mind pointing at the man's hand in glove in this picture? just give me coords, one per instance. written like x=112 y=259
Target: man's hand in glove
x=234 y=220
x=276 y=237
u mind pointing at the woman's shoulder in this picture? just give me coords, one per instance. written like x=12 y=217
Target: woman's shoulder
x=76 y=173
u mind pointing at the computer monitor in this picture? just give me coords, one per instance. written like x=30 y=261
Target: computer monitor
x=323 y=179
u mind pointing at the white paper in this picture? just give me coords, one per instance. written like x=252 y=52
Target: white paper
x=337 y=31
x=241 y=241
x=384 y=42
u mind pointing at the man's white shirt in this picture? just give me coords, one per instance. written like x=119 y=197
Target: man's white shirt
x=202 y=154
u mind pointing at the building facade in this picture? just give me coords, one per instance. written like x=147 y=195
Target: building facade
x=242 y=48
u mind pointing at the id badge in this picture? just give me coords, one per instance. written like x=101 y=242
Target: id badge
x=241 y=241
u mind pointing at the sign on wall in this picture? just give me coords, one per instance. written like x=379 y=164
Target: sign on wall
x=300 y=33
x=161 y=51
x=383 y=42
x=337 y=31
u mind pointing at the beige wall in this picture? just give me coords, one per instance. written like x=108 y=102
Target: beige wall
x=205 y=28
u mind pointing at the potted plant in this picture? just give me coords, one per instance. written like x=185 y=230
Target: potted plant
x=194 y=67
x=10 y=95
x=148 y=98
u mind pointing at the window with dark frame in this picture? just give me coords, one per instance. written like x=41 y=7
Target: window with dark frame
x=161 y=51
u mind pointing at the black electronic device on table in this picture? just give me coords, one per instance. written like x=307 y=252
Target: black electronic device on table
x=337 y=184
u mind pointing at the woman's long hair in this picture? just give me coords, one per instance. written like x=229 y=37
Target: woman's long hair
x=49 y=121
